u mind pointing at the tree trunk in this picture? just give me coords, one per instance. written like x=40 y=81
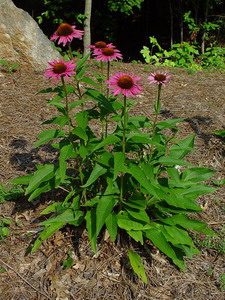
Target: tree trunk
x=87 y=26
x=181 y=21
x=205 y=21
x=171 y=23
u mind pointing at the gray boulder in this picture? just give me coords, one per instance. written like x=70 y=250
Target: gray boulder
x=21 y=39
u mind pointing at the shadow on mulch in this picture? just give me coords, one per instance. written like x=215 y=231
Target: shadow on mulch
x=28 y=159
x=197 y=124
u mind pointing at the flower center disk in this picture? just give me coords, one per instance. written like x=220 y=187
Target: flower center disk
x=100 y=44
x=59 y=68
x=125 y=82
x=64 y=29
x=160 y=77
x=108 y=51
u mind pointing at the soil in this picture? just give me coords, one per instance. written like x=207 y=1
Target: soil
x=197 y=96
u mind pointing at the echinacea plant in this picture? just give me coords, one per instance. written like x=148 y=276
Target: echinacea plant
x=124 y=180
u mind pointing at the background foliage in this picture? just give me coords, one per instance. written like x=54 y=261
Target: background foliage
x=128 y=24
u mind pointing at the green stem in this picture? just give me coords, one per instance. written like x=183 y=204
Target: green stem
x=124 y=125
x=123 y=144
x=107 y=96
x=157 y=107
x=70 y=51
x=80 y=95
x=67 y=105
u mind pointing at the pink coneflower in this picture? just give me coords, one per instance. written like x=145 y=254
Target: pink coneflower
x=65 y=33
x=159 y=78
x=60 y=68
x=98 y=46
x=108 y=53
x=124 y=83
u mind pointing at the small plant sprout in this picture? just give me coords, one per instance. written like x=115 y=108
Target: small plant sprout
x=123 y=178
x=9 y=67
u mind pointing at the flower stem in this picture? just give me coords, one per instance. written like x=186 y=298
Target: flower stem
x=124 y=125
x=107 y=96
x=157 y=107
x=67 y=105
x=70 y=51
x=80 y=95
x=123 y=144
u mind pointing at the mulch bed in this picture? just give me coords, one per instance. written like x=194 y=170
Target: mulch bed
x=200 y=98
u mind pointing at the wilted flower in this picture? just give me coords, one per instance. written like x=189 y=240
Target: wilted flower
x=65 y=33
x=60 y=68
x=108 y=53
x=159 y=78
x=124 y=83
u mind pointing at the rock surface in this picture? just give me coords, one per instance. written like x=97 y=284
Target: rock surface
x=21 y=39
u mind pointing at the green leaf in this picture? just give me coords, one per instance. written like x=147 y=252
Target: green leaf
x=177 y=235
x=82 y=120
x=135 y=261
x=80 y=72
x=69 y=216
x=137 y=235
x=220 y=133
x=6 y=221
x=169 y=123
x=43 y=174
x=104 y=208
x=174 y=174
x=185 y=222
x=127 y=222
x=66 y=152
x=155 y=235
x=4 y=231
x=105 y=159
x=4 y=62
x=83 y=151
x=48 y=135
x=111 y=225
x=140 y=176
x=90 y=82
x=91 y=228
x=67 y=263
x=95 y=174
x=80 y=133
x=119 y=159
x=60 y=120
x=49 y=90
x=81 y=62
x=23 y=179
x=167 y=160
x=197 y=190
x=101 y=99
x=46 y=233
x=136 y=203
x=44 y=188
x=69 y=89
x=139 y=138
x=111 y=139
x=54 y=207
x=184 y=147
x=197 y=174
x=138 y=214
x=140 y=121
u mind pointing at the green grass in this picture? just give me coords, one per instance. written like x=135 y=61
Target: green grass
x=212 y=243
x=10 y=193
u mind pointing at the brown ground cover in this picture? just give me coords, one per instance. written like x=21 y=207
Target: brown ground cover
x=200 y=98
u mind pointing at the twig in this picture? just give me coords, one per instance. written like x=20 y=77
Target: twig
x=21 y=277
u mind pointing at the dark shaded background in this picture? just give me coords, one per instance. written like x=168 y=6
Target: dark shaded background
x=130 y=33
